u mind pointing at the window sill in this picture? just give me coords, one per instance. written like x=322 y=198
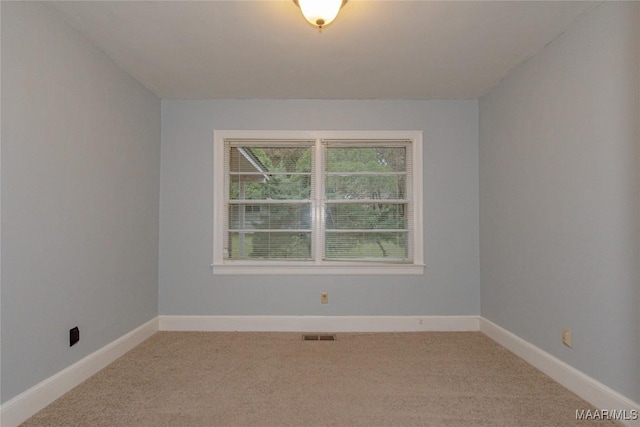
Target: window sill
x=306 y=269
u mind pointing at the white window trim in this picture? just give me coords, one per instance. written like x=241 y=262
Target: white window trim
x=221 y=266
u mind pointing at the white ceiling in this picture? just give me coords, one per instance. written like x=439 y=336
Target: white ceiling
x=374 y=50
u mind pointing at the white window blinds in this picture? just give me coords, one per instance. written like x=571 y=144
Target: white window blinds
x=338 y=202
x=269 y=191
x=367 y=188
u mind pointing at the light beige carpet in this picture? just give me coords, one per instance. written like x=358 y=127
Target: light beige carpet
x=202 y=379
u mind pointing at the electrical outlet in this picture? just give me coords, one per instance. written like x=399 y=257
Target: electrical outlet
x=74 y=336
x=324 y=298
x=567 y=337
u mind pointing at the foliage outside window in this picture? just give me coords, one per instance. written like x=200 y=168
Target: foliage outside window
x=329 y=202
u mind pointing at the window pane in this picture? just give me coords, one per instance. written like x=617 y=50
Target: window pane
x=270 y=159
x=366 y=159
x=366 y=245
x=270 y=216
x=365 y=187
x=270 y=245
x=357 y=216
x=276 y=187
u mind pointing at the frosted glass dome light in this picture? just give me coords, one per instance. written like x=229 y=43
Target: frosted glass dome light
x=320 y=13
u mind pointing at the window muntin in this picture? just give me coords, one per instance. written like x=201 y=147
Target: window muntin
x=325 y=204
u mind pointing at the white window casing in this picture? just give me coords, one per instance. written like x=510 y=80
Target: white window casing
x=277 y=217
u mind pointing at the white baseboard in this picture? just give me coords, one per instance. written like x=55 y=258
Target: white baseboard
x=23 y=406
x=319 y=323
x=26 y=404
x=589 y=389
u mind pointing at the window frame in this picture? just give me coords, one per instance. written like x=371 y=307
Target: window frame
x=318 y=266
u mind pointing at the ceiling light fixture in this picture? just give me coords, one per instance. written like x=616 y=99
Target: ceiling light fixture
x=320 y=13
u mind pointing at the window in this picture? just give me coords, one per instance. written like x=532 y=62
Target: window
x=317 y=202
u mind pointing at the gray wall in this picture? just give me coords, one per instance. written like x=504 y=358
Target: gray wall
x=559 y=186
x=451 y=283
x=80 y=189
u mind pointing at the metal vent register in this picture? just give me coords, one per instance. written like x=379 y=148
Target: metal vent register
x=318 y=337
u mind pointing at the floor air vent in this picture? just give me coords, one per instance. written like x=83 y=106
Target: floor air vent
x=321 y=337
